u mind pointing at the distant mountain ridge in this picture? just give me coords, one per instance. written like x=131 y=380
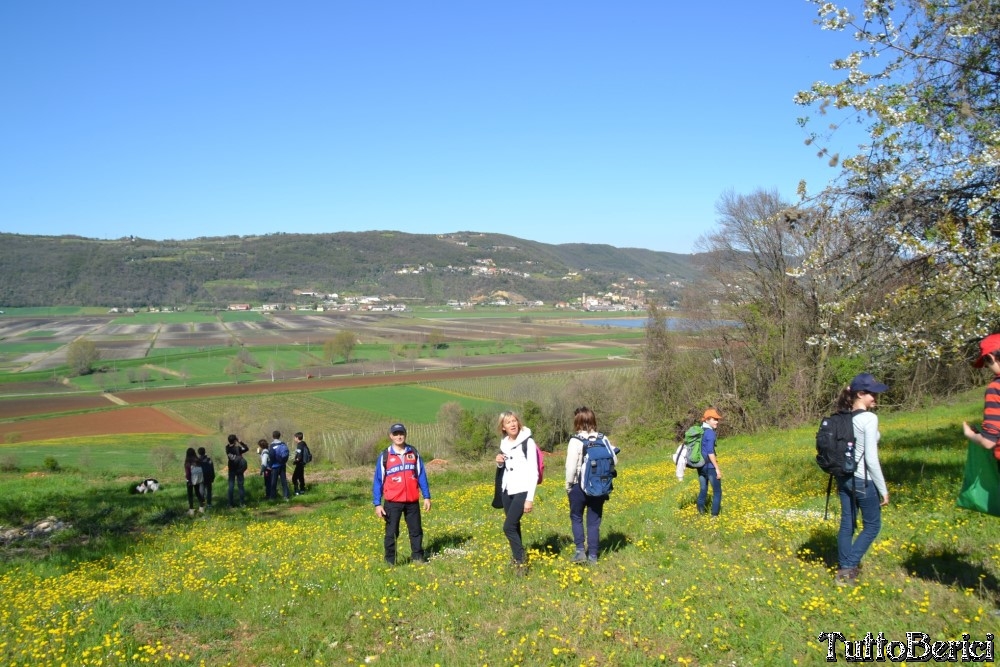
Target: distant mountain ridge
x=215 y=271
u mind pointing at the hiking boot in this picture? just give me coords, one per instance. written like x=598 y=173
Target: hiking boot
x=520 y=569
x=592 y=560
x=846 y=576
x=579 y=557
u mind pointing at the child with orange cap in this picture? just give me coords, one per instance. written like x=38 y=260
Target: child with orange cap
x=710 y=472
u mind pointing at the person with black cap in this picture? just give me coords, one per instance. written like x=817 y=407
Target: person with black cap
x=400 y=479
x=863 y=490
x=989 y=433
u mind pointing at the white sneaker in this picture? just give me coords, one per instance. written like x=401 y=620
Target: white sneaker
x=201 y=510
x=191 y=512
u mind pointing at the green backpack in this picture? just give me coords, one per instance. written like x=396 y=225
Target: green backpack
x=692 y=442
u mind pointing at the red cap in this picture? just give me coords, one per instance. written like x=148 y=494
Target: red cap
x=988 y=345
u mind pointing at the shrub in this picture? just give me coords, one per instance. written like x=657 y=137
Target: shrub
x=51 y=464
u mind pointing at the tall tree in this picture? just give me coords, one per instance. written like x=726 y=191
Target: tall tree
x=765 y=362
x=925 y=78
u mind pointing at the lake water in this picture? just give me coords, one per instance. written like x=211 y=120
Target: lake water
x=673 y=323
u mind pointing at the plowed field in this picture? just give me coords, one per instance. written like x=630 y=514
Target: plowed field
x=107 y=422
x=147 y=419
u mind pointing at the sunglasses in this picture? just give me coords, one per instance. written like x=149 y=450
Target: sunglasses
x=399 y=433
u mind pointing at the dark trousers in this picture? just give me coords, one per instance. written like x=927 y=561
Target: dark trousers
x=277 y=475
x=194 y=490
x=578 y=501
x=513 y=508
x=411 y=513
x=268 y=489
x=236 y=479
x=299 y=478
x=208 y=493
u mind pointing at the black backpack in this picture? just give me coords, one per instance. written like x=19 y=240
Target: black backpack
x=835 y=445
x=208 y=468
x=835 y=453
x=307 y=455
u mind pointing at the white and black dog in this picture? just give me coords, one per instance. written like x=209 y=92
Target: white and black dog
x=148 y=486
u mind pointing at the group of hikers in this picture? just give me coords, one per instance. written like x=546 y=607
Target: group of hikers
x=199 y=470
x=400 y=478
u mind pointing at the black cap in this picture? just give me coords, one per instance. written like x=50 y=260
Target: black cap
x=397 y=428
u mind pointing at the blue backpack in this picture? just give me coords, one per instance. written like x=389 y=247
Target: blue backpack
x=598 y=472
x=279 y=454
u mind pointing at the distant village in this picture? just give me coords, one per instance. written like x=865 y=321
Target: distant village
x=629 y=295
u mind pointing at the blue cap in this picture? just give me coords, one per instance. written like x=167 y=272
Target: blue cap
x=396 y=428
x=867 y=382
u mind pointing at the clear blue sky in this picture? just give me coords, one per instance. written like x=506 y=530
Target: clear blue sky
x=601 y=122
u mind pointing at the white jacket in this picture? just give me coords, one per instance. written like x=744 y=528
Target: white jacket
x=520 y=471
x=866 y=435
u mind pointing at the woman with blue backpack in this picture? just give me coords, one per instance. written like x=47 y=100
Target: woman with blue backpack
x=587 y=437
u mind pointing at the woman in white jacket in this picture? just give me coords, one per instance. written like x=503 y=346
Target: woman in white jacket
x=519 y=458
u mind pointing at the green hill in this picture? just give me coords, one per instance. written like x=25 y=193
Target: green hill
x=214 y=271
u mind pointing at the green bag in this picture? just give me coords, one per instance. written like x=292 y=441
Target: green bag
x=981 y=488
x=692 y=440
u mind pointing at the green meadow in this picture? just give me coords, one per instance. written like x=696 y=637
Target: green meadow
x=409 y=403
x=132 y=579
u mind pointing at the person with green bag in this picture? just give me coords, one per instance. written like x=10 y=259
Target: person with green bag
x=981 y=488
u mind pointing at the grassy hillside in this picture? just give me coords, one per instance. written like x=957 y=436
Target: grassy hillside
x=135 y=272
x=133 y=580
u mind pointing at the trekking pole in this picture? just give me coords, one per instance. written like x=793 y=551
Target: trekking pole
x=829 y=486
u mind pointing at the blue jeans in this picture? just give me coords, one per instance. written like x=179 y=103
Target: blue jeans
x=706 y=474
x=578 y=501
x=850 y=551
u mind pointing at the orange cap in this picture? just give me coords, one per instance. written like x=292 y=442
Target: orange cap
x=711 y=413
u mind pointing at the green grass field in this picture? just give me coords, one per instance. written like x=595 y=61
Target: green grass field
x=409 y=403
x=133 y=580
x=165 y=318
